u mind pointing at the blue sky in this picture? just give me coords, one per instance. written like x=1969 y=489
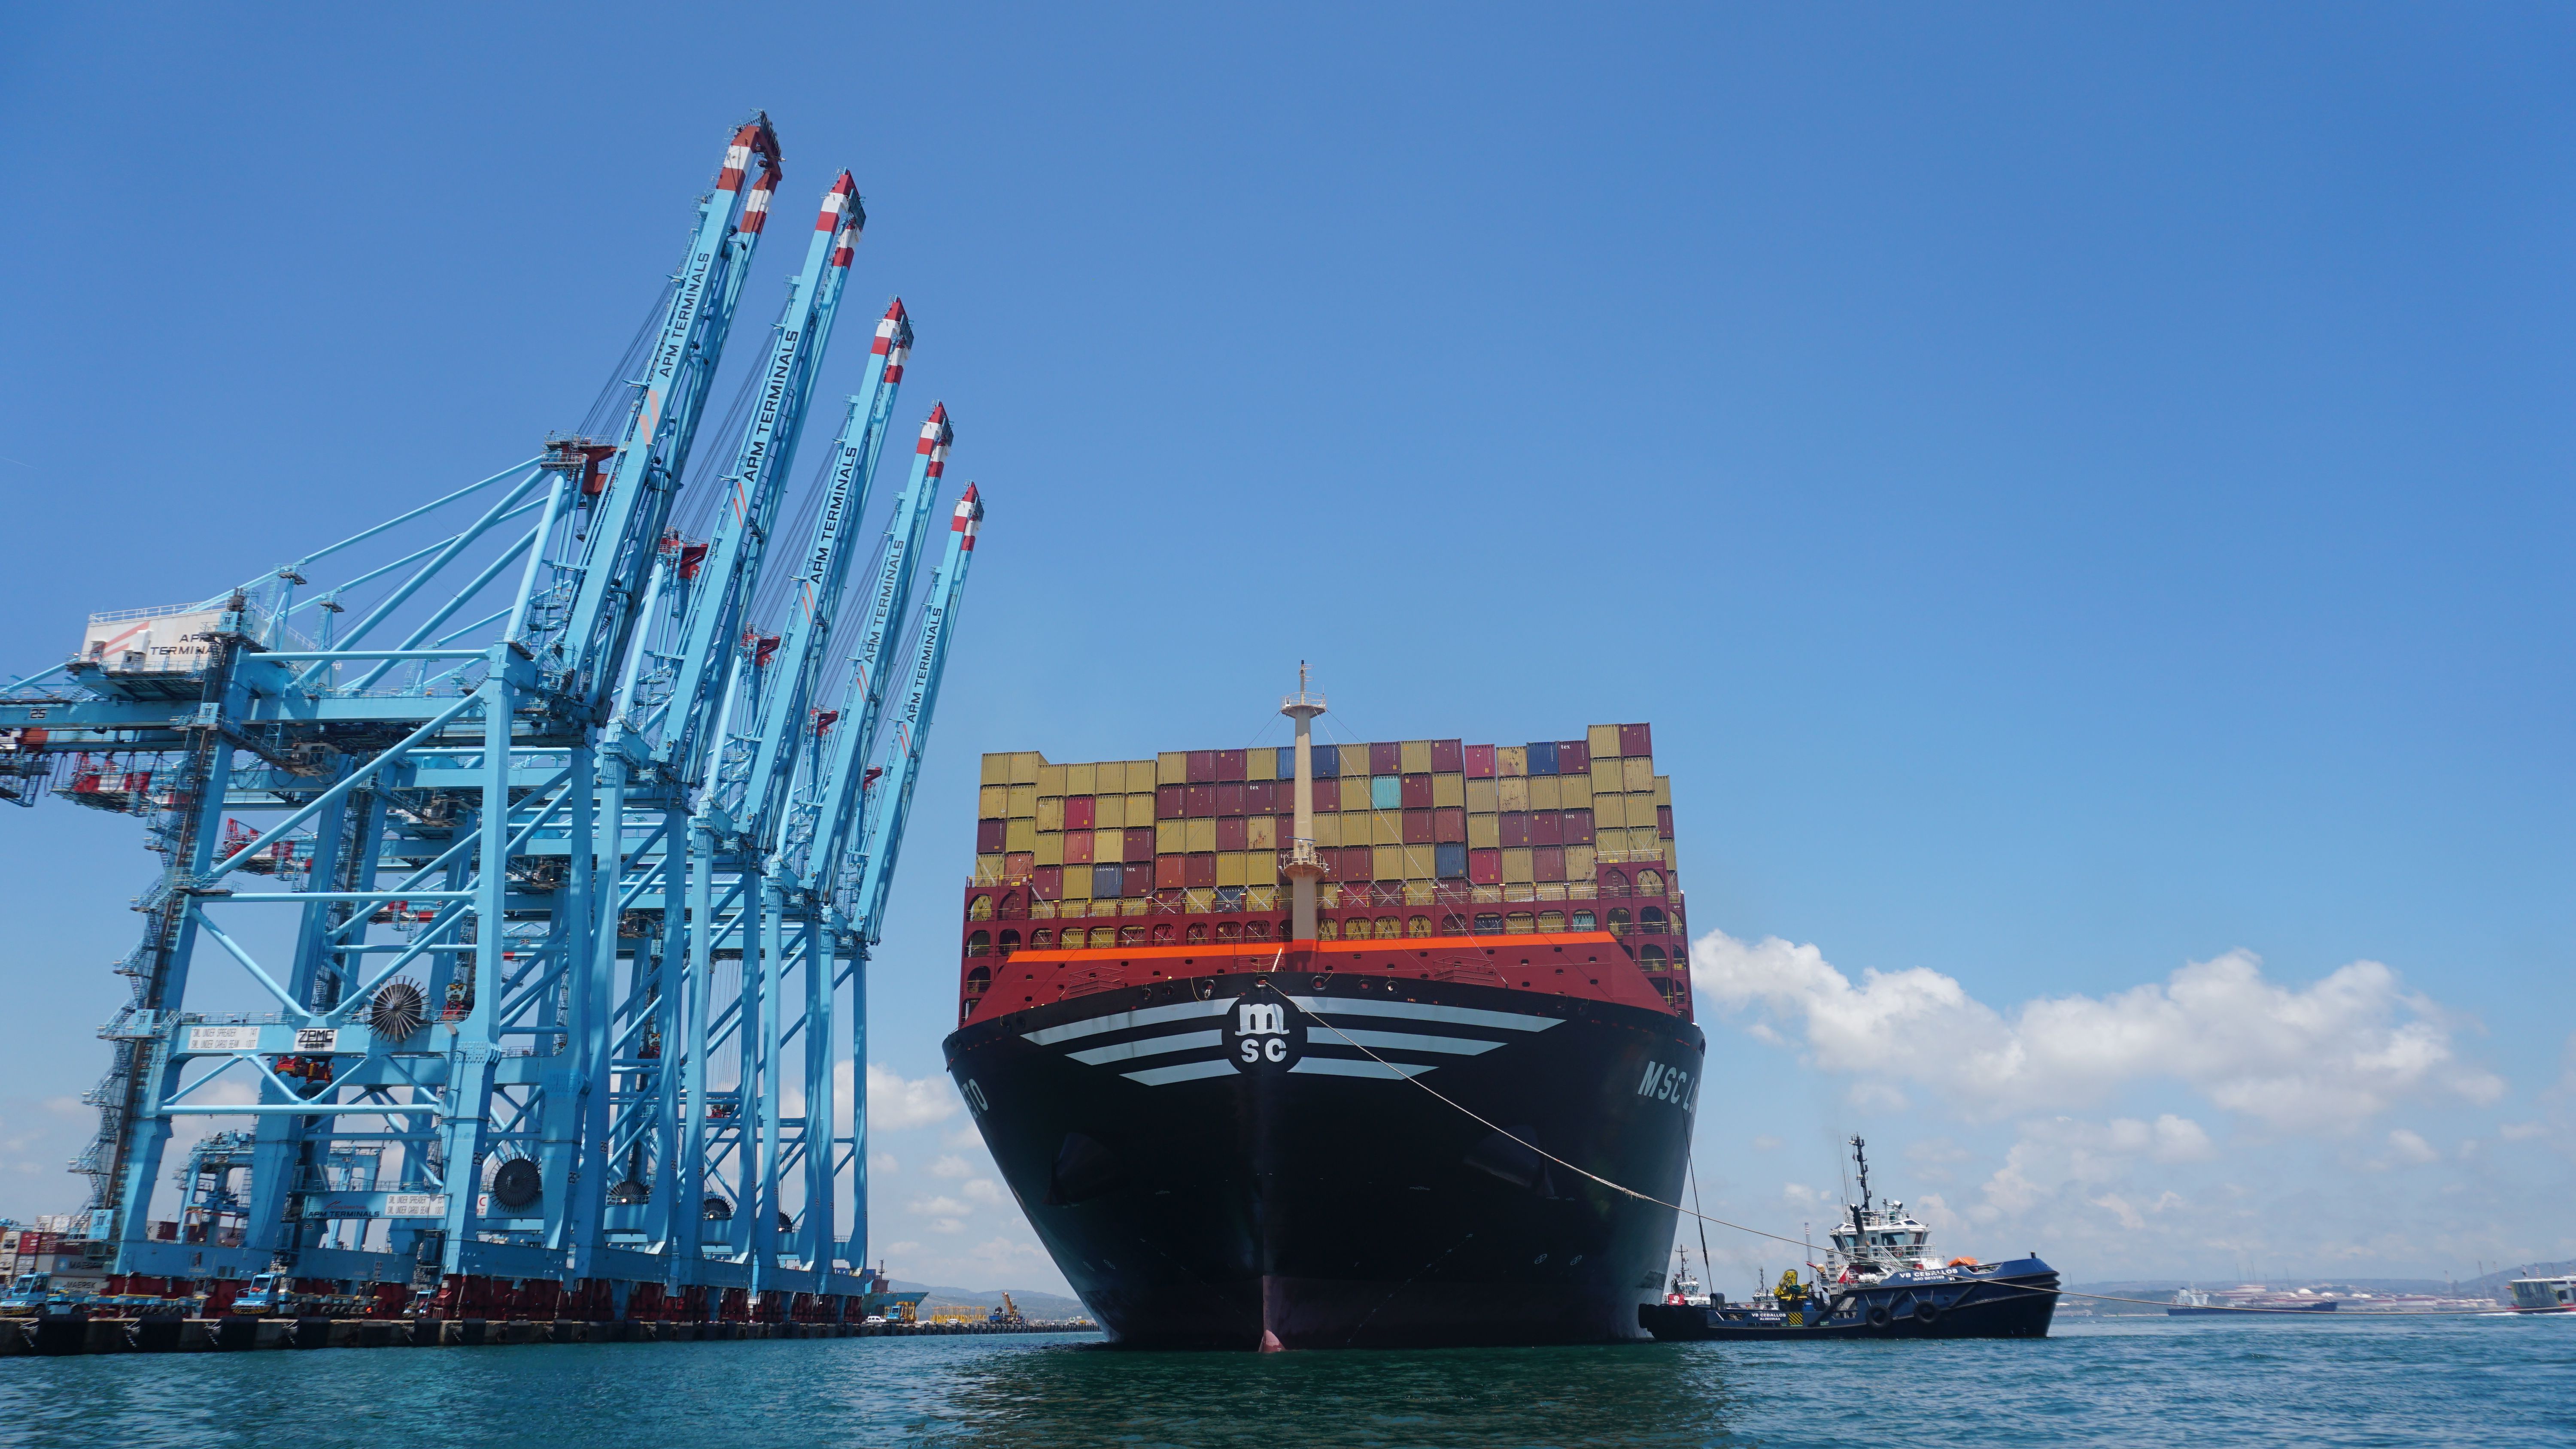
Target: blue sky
x=2078 y=491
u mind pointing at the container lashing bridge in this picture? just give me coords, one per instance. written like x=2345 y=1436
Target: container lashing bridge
x=520 y=876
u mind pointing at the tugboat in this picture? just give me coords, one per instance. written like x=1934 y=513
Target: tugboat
x=1880 y=1279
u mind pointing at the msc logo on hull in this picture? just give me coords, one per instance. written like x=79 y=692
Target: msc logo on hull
x=1666 y=1084
x=1264 y=1036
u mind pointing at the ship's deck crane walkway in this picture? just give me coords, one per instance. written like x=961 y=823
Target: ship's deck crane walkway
x=531 y=949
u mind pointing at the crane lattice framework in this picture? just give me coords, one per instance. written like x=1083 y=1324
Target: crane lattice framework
x=553 y=925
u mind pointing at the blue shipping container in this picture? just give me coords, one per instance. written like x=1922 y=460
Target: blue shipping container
x=1106 y=880
x=1542 y=757
x=1328 y=762
x=1386 y=792
x=1450 y=861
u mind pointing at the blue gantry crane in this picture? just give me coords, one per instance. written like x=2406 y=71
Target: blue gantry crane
x=524 y=958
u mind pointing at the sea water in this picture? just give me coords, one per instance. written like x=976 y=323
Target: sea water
x=2491 y=1382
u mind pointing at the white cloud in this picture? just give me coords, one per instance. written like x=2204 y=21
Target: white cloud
x=2521 y=1131
x=950 y=1166
x=2410 y=1148
x=895 y=1102
x=901 y=1248
x=985 y=1190
x=948 y=1225
x=938 y=1206
x=1765 y=1142
x=883 y=1164
x=2329 y=1056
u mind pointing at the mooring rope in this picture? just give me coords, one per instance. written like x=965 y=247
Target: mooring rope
x=1805 y=1245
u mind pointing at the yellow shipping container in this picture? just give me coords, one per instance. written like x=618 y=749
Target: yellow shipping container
x=1544 y=793
x=1671 y=861
x=1107 y=846
x=1025 y=765
x=1140 y=808
x=1637 y=774
x=1449 y=790
x=1261 y=868
x=1513 y=792
x=1386 y=827
x=1414 y=757
x=1077 y=884
x=1641 y=810
x=1643 y=840
x=1511 y=760
x=1481 y=797
x=1229 y=868
x=1050 y=780
x=1201 y=835
x=1576 y=791
x=1605 y=778
x=1172 y=767
x=1050 y=814
x=1112 y=779
x=1328 y=829
x=1024 y=801
x=1389 y=862
x=1663 y=789
x=1419 y=865
x=1261 y=764
x=1579 y=862
x=1050 y=847
x=1609 y=812
x=1355 y=827
x=1169 y=837
x=997 y=769
x=1020 y=835
x=1484 y=832
x=1354 y=761
x=1262 y=833
x=988 y=869
x=1604 y=740
x=1081 y=779
x=992 y=802
x=1516 y=867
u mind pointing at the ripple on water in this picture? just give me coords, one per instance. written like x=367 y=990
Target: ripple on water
x=2140 y=1382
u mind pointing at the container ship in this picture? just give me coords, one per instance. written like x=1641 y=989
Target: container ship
x=1327 y=1046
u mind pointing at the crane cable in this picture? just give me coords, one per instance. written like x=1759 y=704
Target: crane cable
x=1802 y=1244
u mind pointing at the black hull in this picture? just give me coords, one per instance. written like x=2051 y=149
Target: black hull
x=2018 y=1300
x=1314 y=1198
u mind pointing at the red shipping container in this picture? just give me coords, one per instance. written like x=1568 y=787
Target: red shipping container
x=1046 y=882
x=1386 y=759
x=1201 y=801
x=1449 y=825
x=1636 y=740
x=1199 y=870
x=1077 y=848
x=1229 y=764
x=1260 y=797
x=1230 y=832
x=988 y=836
x=1169 y=802
x=1358 y=863
x=1167 y=872
x=1139 y=841
x=1547 y=827
x=1664 y=821
x=1485 y=867
x=1229 y=800
x=1287 y=831
x=1202 y=767
x=1138 y=879
x=1079 y=811
x=1417 y=827
x=1480 y=762
x=1548 y=862
x=1516 y=828
x=1417 y=792
x=1578 y=827
x=1448 y=757
x=1018 y=864
x=1573 y=757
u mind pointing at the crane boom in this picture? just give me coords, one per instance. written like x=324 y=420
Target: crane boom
x=624 y=530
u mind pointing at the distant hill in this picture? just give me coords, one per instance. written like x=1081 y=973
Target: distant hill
x=1033 y=1304
x=2160 y=1291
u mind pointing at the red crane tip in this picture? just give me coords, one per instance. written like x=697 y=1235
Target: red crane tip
x=971 y=494
x=895 y=312
x=939 y=412
x=846 y=184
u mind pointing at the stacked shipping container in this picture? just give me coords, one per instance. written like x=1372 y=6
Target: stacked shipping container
x=1423 y=838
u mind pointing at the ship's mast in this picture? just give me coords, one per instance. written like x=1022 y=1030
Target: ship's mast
x=1304 y=867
